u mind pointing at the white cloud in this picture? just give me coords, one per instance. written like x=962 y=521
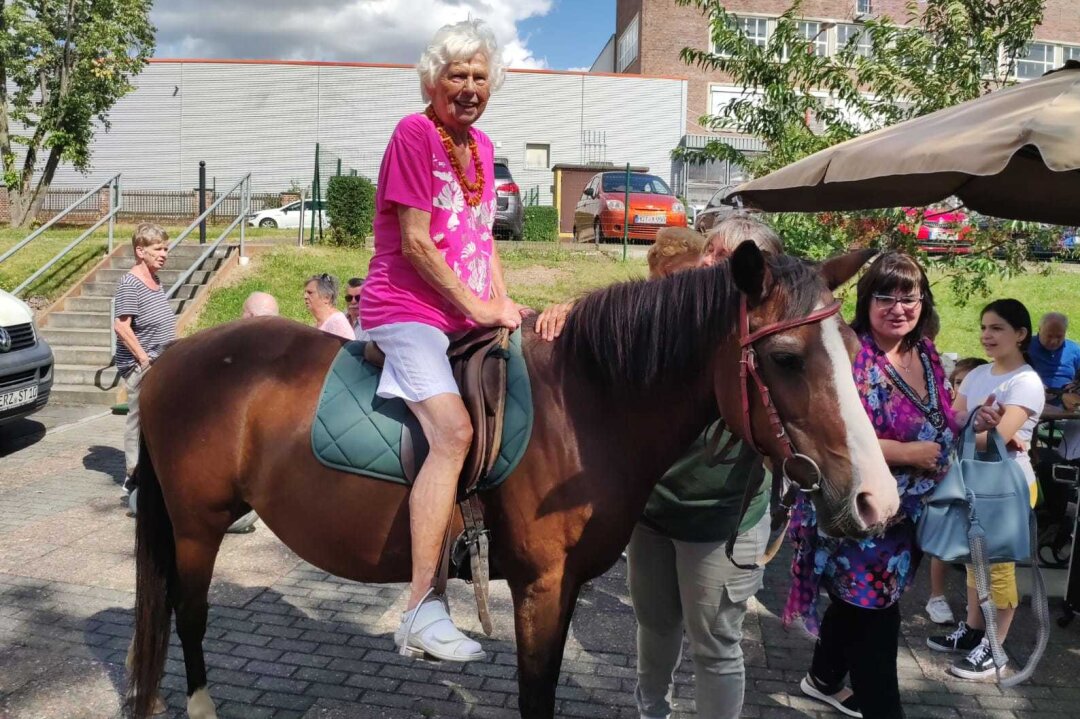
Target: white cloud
x=392 y=31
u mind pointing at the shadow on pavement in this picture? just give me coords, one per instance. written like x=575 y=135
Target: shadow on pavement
x=20 y=434
x=107 y=460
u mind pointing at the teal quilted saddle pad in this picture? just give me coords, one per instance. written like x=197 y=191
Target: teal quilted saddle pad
x=356 y=431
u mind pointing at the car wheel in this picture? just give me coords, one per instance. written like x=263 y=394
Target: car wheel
x=598 y=232
x=267 y=223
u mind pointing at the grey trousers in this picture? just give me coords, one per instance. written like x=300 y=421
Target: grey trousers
x=676 y=585
x=131 y=428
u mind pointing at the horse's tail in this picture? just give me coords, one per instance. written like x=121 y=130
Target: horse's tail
x=155 y=572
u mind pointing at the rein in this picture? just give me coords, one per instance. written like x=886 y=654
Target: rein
x=782 y=501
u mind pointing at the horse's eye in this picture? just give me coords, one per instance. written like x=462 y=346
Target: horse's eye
x=788 y=361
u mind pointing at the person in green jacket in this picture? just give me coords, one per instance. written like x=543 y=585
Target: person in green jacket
x=679 y=576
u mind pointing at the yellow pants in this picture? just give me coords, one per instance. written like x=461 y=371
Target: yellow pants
x=1003 y=591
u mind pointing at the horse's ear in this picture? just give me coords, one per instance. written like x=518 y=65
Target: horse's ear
x=838 y=270
x=748 y=270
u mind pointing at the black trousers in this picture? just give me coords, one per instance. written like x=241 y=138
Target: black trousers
x=861 y=643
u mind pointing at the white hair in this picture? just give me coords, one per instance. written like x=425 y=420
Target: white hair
x=458 y=43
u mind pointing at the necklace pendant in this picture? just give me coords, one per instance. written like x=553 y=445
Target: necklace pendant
x=937 y=418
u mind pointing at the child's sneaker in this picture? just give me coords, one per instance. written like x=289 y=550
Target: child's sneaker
x=939 y=611
x=962 y=639
x=978 y=664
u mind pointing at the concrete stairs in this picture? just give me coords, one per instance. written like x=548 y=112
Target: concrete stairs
x=80 y=330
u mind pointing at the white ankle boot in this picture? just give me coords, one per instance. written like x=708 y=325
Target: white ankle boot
x=432 y=632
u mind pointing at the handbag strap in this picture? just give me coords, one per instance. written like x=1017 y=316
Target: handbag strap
x=993 y=440
x=1039 y=602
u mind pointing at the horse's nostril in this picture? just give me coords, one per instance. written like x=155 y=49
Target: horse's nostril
x=868 y=511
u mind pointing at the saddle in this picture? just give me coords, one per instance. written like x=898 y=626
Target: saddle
x=478 y=361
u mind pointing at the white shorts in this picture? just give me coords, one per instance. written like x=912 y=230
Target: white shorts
x=416 y=366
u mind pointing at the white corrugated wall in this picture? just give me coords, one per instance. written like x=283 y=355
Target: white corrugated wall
x=265 y=119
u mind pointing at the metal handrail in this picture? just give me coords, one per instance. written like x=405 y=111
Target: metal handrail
x=244 y=183
x=209 y=211
x=115 y=205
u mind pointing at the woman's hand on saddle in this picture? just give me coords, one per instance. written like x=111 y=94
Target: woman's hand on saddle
x=550 y=322
x=498 y=312
x=922 y=455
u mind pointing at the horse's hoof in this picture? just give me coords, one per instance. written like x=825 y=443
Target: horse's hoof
x=200 y=705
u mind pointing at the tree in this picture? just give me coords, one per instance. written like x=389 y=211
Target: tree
x=798 y=102
x=63 y=65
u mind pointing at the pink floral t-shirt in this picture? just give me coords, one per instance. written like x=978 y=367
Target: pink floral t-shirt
x=416 y=172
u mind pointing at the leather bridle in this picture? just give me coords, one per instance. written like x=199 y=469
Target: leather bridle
x=748 y=370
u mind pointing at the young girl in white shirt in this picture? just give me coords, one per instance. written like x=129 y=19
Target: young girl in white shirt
x=1016 y=389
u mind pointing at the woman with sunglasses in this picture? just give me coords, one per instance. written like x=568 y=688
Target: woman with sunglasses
x=902 y=386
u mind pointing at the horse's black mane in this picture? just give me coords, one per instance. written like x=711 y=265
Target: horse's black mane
x=643 y=334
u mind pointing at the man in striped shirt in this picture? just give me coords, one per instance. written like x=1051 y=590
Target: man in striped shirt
x=144 y=323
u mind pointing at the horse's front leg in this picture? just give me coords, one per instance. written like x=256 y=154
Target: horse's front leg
x=542 y=613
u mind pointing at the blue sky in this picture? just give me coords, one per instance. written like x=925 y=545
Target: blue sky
x=556 y=34
x=572 y=34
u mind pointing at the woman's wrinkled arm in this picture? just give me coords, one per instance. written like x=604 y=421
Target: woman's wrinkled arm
x=429 y=263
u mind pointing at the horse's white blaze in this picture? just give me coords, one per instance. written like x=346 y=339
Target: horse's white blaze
x=201 y=706
x=872 y=474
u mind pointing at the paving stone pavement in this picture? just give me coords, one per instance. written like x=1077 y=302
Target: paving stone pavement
x=286 y=640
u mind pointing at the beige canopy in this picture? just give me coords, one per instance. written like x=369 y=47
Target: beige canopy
x=1013 y=153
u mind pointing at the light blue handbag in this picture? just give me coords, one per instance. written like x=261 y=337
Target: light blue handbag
x=981 y=490
x=987 y=491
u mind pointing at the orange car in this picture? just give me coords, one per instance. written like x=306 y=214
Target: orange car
x=600 y=212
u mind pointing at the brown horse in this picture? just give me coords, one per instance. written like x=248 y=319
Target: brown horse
x=640 y=369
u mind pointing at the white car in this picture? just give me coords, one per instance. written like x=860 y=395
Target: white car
x=26 y=361
x=289 y=216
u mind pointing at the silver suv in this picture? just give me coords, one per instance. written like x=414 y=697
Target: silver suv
x=26 y=361
x=509 y=212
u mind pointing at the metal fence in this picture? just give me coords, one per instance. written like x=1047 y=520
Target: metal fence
x=156 y=205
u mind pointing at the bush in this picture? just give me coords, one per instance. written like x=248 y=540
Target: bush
x=541 y=224
x=350 y=205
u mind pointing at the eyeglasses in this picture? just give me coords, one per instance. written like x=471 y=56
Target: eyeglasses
x=907 y=302
x=352 y=298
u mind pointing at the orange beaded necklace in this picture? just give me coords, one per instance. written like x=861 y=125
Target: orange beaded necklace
x=473 y=191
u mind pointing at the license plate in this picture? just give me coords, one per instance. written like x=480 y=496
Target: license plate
x=18 y=397
x=650 y=219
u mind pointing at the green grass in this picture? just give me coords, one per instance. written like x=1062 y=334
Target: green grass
x=542 y=274
x=60 y=276
x=80 y=259
x=282 y=272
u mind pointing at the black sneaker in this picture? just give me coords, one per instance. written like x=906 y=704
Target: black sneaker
x=814 y=689
x=978 y=664
x=962 y=639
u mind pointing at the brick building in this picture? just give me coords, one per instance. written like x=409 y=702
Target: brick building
x=649 y=35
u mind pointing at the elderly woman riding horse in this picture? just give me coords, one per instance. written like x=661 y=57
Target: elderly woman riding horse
x=436 y=274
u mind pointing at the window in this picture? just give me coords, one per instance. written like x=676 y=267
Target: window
x=616 y=182
x=628 y=44
x=1071 y=52
x=1038 y=58
x=756 y=29
x=537 y=157
x=854 y=33
x=724 y=95
x=816 y=35
x=863 y=7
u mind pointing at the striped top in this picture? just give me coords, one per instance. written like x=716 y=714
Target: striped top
x=152 y=319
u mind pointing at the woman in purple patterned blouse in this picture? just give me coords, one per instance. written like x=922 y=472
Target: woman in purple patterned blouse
x=902 y=386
